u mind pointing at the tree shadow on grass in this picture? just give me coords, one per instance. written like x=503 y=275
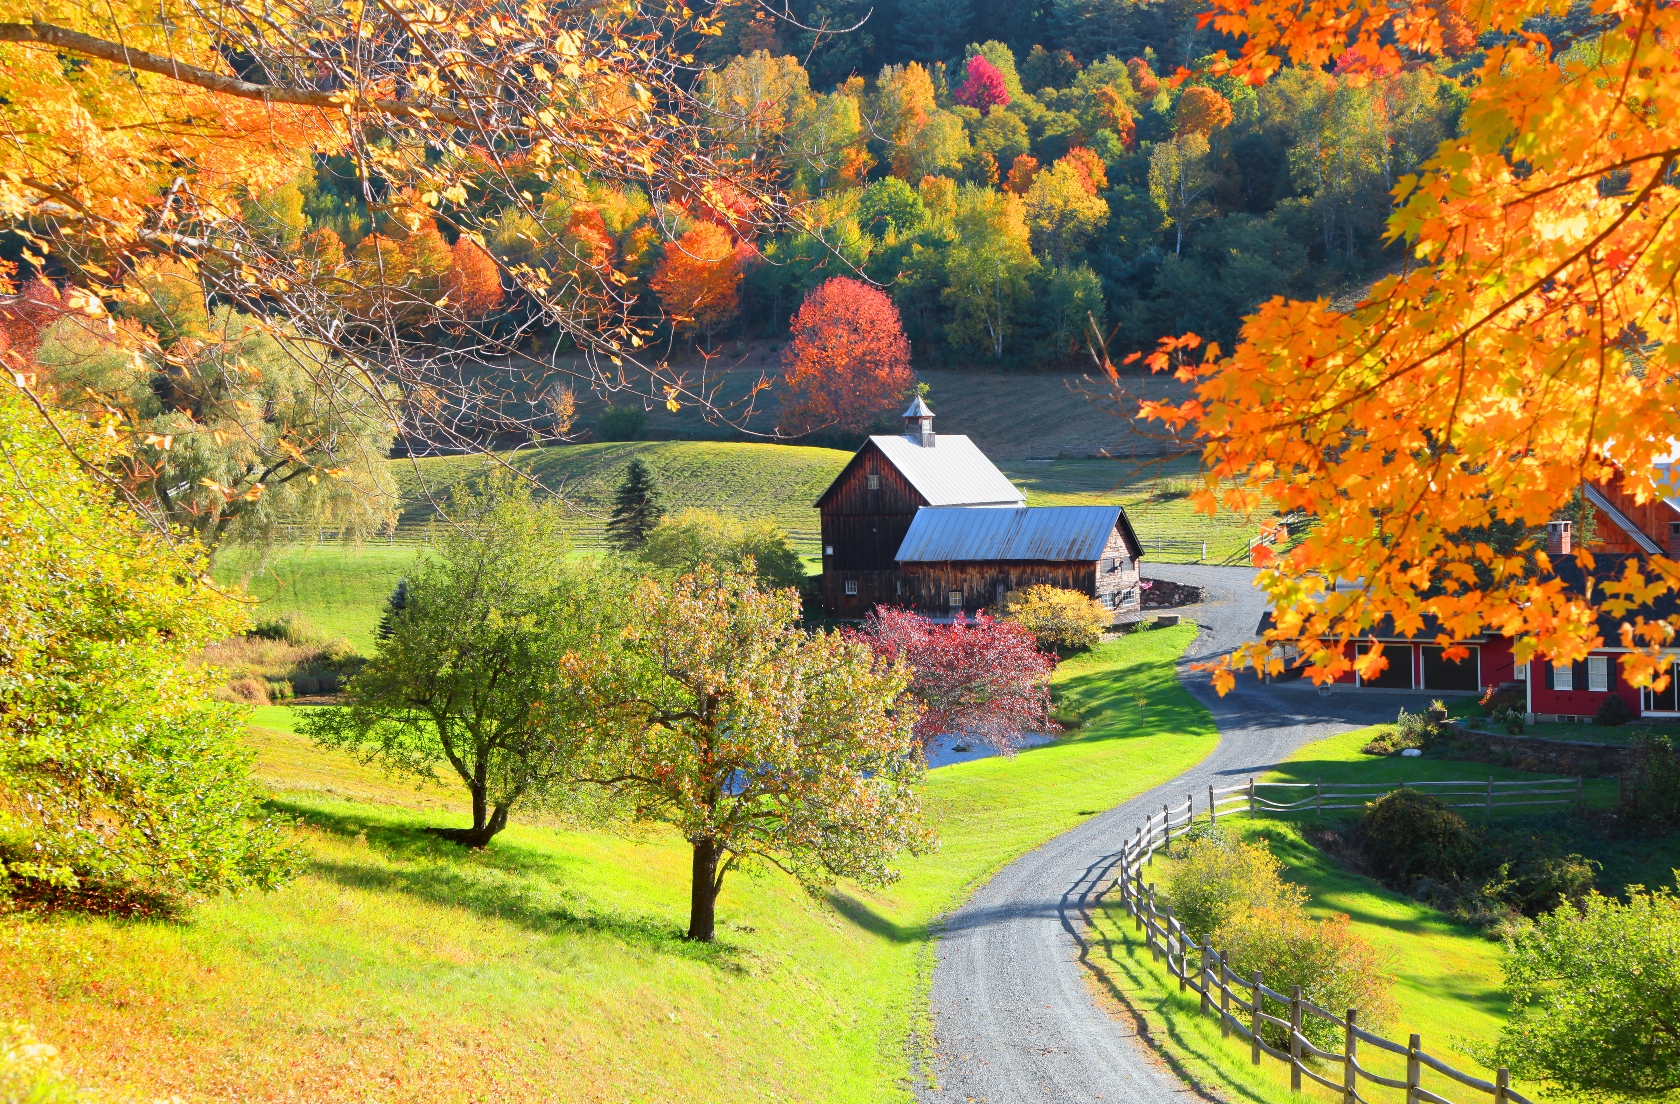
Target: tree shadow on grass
x=509 y=882
x=862 y=916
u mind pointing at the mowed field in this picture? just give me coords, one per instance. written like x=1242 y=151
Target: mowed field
x=1012 y=415
x=550 y=966
x=341 y=588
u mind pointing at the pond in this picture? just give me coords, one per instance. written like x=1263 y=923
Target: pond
x=945 y=749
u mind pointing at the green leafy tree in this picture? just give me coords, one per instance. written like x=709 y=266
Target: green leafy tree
x=988 y=270
x=240 y=428
x=1063 y=212
x=468 y=677
x=933 y=30
x=754 y=739
x=121 y=779
x=693 y=538
x=637 y=508
x=1595 y=998
x=1180 y=180
x=1073 y=299
x=394 y=606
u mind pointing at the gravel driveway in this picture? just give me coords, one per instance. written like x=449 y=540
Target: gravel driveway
x=1014 y=1018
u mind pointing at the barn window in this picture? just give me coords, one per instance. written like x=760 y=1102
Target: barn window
x=1520 y=671
x=851 y=586
x=898 y=587
x=1001 y=590
x=1563 y=676
x=954 y=599
x=1108 y=564
x=1598 y=673
x=1128 y=598
x=828 y=550
x=1107 y=601
x=874 y=482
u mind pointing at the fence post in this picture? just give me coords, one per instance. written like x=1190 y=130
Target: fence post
x=1224 y=997
x=1254 y=1039
x=1414 y=1069
x=1251 y=795
x=1207 y=974
x=1350 y=1060
x=1490 y=795
x=1204 y=550
x=1213 y=809
x=1580 y=799
x=1295 y=1038
x=1149 y=930
x=1502 y=1086
x=1183 y=953
x=1166 y=824
x=1318 y=798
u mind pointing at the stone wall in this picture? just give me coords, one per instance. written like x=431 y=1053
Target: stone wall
x=1163 y=594
x=1534 y=753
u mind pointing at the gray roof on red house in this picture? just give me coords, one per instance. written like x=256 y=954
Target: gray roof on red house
x=1036 y=533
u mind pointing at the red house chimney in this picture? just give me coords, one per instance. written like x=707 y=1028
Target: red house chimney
x=1557 y=538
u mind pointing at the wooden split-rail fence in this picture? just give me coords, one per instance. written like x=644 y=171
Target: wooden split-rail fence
x=1318 y=797
x=1241 y=1002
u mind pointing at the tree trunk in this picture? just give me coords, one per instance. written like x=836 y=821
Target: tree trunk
x=487 y=821
x=703 y=890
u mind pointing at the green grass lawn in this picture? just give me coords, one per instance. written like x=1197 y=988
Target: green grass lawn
x=1447 y=975
x=340 y=591
x=550 y=965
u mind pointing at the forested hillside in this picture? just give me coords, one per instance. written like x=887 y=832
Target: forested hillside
x=1003 y=169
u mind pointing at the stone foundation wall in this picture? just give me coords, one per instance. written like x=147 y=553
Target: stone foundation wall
x=1533 y=753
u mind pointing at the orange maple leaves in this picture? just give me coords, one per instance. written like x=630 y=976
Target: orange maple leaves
x=848 y=362
x=1528 y=346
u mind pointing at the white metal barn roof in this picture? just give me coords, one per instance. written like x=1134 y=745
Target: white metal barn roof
x=1050 y=533
x=954 y=472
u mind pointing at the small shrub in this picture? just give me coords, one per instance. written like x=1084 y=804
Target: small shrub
x=290 y=627
x=1217 y=875
x=1335 y=968
x=1613 y=711
x=1056 y=618
x=1651 y=793
x=1410 y=835
x=620 y=423
x=1593 y=997
x=279 y=690
x=1169 y=490
x=1511 y=719
x=1411 y=730
x=305 y=684
x=249 y=690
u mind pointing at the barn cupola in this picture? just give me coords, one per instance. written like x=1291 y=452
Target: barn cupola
x=918 y=423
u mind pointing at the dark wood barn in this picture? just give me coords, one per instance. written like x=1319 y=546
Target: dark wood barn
x=964 y=560
x=945 y=490
x=868 y=508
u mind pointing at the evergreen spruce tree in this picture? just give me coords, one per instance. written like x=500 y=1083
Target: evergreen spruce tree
x=394 y=605
x=636 y=509
x=934 y=30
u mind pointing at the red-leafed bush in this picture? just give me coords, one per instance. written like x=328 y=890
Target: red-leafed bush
x=982 y=680
x=984 y=87
x=1093 y=174
x=848 y=362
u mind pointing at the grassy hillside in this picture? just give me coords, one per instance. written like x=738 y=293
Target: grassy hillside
x=550 y=966
x=1447 y=975
x=742 y=479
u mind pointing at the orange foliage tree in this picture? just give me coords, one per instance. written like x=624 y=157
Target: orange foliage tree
x=473 y=282
x=1526 y=348
x=1202 y=111
x=848 y=362
x=699 y=280
x=1021 y=173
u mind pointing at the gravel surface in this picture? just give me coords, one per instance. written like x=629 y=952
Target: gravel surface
x=1015 y=1021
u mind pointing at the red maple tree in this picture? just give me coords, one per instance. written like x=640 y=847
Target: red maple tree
x=1093 y=174
x=982 y=680
x=848 y=362
x=1143 y=77
x=984 y=87
x=1202 y=111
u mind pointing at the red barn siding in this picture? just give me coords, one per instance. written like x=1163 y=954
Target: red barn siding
x=864 y=528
